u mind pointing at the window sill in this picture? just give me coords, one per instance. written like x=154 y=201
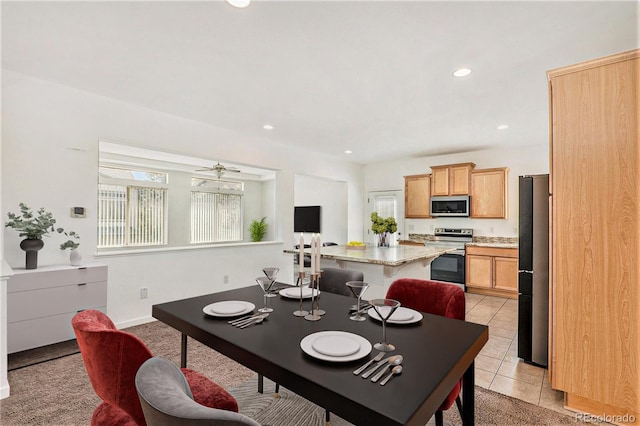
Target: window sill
x=128 y=252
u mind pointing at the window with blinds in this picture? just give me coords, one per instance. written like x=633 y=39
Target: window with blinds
x=130 y=212
x=216 y=211
x=385 y=205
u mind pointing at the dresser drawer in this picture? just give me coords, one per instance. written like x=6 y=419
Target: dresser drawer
x=55 y=276
x=25 y=305
x=41 y=331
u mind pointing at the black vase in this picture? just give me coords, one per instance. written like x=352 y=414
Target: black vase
x=31 y=247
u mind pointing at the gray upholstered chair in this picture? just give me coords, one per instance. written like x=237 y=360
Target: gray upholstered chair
x=333 y=280
x=166 y=399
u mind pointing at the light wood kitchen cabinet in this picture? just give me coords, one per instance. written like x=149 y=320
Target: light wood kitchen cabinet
x=595 y=235
x=492 y=270
x=489 y=193
x=451 y=179
x=417 y=192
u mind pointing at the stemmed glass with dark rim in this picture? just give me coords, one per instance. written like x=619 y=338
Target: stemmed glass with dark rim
x=265 y=284
x=384 y=308
x=357 y=288
x=271 y=273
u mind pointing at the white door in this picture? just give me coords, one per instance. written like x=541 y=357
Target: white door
x=386 y=204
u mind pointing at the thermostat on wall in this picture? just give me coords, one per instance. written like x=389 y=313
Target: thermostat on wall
x=78 y=212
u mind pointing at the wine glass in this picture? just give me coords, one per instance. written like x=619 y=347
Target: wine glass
x=265 y=284
x=357 y=288
x=384 y=308
x=271 y=273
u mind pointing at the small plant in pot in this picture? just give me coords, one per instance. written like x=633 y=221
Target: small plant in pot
x=72 y=244
x=258 y=228
x=32 y=226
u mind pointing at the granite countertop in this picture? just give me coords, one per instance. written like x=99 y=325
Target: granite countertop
x=387 y=256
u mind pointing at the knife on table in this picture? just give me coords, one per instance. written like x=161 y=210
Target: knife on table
x=375 y=367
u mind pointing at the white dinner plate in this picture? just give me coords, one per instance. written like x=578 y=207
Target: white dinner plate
x=294 y=292
x=335 y=345
x=363 y=346
x=229 y=308
x=402 y=315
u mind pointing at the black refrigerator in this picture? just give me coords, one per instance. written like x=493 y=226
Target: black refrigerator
x=533 y=270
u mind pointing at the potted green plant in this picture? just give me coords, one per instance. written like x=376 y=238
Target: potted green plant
x=258 y=228
x=383 y=227
x=32 y=226
x=74 y=256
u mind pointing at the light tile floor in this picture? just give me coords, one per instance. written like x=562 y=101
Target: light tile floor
x=498 y=367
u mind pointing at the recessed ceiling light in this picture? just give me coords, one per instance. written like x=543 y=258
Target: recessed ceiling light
x=348 y=151
x=503 y=127
x=239 y=3
x=267 y=127
x=462 y=72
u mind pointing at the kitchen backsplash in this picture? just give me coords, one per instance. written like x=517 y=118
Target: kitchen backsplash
x=476 y=239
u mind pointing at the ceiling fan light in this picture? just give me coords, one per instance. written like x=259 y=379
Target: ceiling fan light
x=239 y=3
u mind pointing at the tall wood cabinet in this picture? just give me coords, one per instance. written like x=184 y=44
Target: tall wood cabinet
x=595 y=237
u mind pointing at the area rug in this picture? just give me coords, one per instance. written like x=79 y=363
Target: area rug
x=290 y=409
x=58 y=392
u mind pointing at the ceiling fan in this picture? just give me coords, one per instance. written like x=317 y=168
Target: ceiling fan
x=219 y=169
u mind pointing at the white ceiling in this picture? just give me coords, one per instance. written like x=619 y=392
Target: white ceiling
x=371 y=77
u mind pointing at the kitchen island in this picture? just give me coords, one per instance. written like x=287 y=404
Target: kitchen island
x=380 y=265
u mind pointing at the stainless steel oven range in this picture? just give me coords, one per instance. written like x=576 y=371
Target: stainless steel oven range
x=450 y=267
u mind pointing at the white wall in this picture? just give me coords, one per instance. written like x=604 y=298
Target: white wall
x=332 y=196
x=50 y=137
x=531 y=160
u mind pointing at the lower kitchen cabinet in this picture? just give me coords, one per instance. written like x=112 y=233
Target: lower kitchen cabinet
x=492 y=271
x=41 y=303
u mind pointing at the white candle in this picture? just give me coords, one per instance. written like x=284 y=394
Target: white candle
x=301 y=255
x=313 y=254
x=318 y=245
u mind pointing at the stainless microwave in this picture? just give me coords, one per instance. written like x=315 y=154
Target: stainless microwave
x=454 y=205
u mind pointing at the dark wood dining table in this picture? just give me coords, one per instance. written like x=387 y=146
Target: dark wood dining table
x=437 y=352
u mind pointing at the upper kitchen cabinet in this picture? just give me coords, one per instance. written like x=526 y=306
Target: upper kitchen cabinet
x=595 y=236
x=417 y=191
x=451 y=179
x=489 y=193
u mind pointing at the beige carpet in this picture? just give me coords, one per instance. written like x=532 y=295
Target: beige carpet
x=58 y=392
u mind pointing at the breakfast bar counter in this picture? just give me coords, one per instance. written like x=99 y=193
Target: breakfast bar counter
x=380 y=265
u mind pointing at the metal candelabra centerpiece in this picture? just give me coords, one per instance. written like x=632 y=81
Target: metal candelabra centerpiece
x=316 y=313
x=300 y=312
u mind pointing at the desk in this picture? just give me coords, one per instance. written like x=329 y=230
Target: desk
x=437 y=352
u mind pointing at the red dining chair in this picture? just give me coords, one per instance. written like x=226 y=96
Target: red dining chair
x=112 y=358
x=437 y=298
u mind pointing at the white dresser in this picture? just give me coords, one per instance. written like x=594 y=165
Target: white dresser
x=41 y=302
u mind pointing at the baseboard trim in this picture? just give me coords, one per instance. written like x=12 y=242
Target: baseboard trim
x=136 y=321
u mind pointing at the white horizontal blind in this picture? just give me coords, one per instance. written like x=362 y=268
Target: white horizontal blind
x=131 y=216
x=215 y=217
